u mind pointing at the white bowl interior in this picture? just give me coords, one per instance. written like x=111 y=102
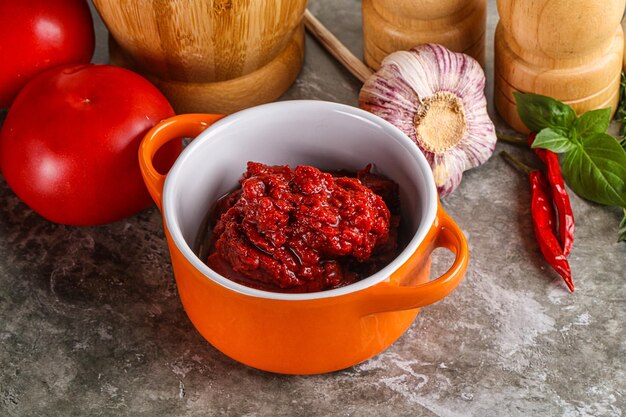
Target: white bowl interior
x=326 y=135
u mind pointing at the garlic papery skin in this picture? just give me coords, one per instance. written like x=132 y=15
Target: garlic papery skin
x=436 y=97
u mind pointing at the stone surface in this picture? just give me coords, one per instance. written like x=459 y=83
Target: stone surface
x=91 y=324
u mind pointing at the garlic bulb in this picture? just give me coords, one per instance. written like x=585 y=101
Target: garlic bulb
x=436 y=97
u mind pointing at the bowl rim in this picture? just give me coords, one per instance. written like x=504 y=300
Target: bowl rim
x=292 y=106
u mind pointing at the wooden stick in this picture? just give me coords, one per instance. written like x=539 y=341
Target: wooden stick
x=335 y=47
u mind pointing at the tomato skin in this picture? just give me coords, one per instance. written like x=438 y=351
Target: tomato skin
x=38 y=34
x=69 y=144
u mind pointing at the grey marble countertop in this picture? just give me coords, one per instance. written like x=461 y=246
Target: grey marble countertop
x=91 y=323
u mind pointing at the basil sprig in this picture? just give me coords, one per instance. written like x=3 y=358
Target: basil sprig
x=594 y=162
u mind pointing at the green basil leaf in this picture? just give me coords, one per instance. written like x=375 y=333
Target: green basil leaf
x=555 y=140
x=596 y=170
x=538 y=112
x=594 y=121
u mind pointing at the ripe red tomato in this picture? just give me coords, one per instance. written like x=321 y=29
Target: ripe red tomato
x=69 y=144
x=39 y=34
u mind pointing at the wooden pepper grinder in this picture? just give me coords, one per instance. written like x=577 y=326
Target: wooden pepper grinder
x=624 y=28
x=209 y=56
x=570 y=50
x=393 y=25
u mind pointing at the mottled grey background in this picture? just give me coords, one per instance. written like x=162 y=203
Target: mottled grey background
x=91 y=324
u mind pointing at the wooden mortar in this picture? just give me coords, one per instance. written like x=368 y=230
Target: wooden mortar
x=571 y=50
x=211 y=56
x=393 y=25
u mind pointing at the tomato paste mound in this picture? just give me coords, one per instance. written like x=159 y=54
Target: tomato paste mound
x=304 y=230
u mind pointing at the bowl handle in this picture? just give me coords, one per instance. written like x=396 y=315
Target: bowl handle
x=177 y=127
x=391 y=296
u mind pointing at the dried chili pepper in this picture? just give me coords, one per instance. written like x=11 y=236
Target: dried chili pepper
x=559 y=195
x=544 y=219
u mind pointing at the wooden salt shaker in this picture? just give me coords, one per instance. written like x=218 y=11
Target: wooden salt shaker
x=393 y=25
x=567 y=49
x=209 y=56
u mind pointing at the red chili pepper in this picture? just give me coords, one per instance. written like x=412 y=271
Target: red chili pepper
x=559 y=195
x=544 y=220
x=543 y=223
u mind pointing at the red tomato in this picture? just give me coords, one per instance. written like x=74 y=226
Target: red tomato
x=39 y=34
x=69 y=144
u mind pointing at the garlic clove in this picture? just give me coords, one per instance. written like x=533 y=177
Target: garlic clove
x=436 y=97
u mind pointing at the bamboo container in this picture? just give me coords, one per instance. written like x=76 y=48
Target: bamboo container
x=209 y=56
x=571 y=50
x=393 y=25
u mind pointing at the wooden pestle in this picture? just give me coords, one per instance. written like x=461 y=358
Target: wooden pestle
x=335 y=47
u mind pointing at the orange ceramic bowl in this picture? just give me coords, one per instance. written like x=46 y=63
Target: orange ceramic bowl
x=313 y=332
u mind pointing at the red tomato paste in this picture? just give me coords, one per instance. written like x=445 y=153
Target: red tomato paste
x=304 y=230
